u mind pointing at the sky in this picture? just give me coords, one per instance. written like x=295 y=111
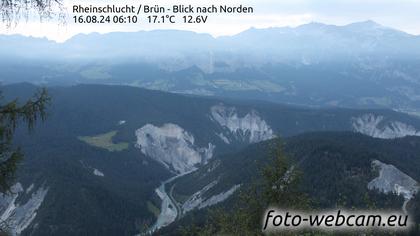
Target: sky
x=402 y=14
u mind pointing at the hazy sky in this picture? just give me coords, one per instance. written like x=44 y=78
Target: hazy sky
x=401 y=14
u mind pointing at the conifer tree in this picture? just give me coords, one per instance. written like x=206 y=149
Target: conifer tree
x=13 y=114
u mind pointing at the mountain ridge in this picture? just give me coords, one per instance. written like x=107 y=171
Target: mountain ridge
x=365 y=23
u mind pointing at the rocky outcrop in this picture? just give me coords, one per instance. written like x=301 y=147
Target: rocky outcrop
x=377 y=127
x=392 y=180
x=250 y=128
x=18 y=214
x=199 y=201
x=172 y=146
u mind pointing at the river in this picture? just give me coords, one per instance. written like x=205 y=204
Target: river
x=169 y=210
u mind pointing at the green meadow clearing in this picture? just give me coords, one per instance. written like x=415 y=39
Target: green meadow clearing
x=104 y=141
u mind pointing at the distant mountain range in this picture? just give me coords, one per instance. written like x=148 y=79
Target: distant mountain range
x=310 y=44
x=360 y=65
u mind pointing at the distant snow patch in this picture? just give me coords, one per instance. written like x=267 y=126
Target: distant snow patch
x=19 y=215
x=98 y=173
x=250 y=128
x=375 y=126
x=172 y=146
